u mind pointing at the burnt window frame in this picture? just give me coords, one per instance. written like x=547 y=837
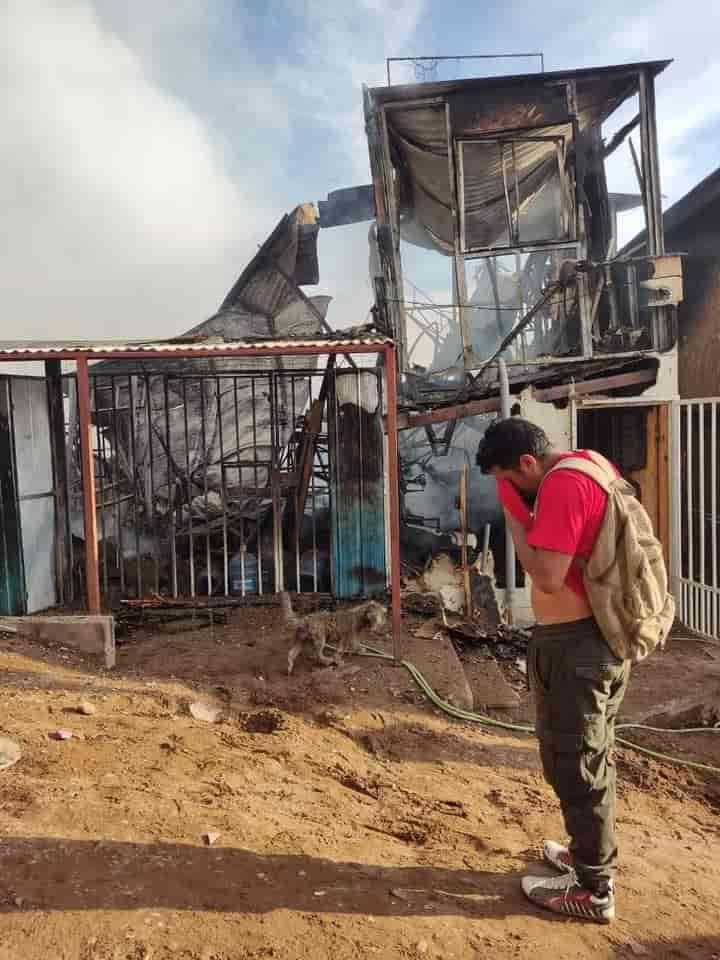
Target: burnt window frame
x=569 y=205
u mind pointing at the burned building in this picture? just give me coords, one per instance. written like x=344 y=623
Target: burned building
x=242 y=457
x=495 y=269
x=259 y=450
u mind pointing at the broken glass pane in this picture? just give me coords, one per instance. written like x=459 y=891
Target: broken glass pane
x=502 y=289
x=432 y=330
x=515 y=192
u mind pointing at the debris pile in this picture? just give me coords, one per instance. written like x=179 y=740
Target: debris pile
x=437 y=595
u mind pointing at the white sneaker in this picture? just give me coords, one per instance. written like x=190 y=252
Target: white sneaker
x=566 y=896
x=558 y=856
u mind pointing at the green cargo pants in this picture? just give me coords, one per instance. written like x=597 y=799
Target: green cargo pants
x=578 y=685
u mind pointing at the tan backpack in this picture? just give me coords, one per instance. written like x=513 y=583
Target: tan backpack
x=625 y=576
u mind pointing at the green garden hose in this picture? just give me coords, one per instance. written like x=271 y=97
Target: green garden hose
x=480 y=718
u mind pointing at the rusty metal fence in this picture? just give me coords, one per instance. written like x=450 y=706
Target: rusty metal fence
x=231 y=483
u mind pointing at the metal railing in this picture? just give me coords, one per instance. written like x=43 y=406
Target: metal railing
x=211 y=484
x=696 y=523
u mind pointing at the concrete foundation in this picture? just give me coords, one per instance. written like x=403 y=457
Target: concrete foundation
x=92 y=634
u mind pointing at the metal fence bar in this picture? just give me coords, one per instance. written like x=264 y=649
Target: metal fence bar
x=205 y=453
x=713 y=508
x=99 y=468
x=240 y=486
x=118 y=487
x=698 y=586
x=133 y=481
x=258 y=536
x=223 y=491
x=689 y=503
x=189 y=492
x=148 y=414
x=152 y=505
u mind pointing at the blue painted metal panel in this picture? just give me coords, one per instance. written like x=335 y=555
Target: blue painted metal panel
x=357 y=488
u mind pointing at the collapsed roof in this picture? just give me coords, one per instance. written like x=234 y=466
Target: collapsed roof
x=265 y=302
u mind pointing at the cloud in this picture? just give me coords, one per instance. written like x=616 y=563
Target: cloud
x=147 y=147
x=341 y=48
x=147 y=150
x=120 y=217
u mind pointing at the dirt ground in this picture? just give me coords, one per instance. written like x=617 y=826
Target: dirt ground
x=348 y=818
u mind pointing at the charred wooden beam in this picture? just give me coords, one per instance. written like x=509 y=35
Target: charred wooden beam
x=601 y=385
x=620 y=136
x=406 y=421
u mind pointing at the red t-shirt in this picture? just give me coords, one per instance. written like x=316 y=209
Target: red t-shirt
x=568 y=515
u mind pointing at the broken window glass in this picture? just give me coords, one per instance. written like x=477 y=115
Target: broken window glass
x=621 y=321
x=432 y=329
x=502 y=289
x=515 y=192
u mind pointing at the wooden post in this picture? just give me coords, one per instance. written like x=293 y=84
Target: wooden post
x=56 y=417
x=87 y=457
x=394 y=481
x=464 y=524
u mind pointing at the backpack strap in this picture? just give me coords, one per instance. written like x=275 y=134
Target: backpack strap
x=597 y=468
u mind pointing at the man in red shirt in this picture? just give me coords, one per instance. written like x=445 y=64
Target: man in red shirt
x=577 y=682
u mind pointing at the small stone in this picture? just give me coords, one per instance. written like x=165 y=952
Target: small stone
x=87 y=709
x=61 y=735
x=10 y=753
x=638 y=950
x=422 y=947
x=204 y=712
x=211 y=837
x=320 y=893
x=302 y=874
x=400 y=894
x=19 y=901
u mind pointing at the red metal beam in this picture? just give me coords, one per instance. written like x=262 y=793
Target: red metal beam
x=394 y=493
x=284 y=349
x=92 y=569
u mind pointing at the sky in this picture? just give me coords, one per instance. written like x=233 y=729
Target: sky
x=147 y=148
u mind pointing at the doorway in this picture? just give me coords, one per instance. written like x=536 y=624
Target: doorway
x=637 y=440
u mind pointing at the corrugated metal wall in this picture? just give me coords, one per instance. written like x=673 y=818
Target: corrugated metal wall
x=12 y=580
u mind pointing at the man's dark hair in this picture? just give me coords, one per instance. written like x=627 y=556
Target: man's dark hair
x=505 y=441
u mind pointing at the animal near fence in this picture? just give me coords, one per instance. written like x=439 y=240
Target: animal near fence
x=696 y=523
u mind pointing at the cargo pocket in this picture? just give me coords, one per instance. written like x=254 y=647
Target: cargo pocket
x=595 y=750
x=579 y=759
x=565 y=762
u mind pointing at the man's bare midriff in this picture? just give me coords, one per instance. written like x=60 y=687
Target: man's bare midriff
x=565 y=606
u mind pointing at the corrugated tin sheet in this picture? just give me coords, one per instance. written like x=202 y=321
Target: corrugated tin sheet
x=297 y=321
x=32 y=348
x=288 y=259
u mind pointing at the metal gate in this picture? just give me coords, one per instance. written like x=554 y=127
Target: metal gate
x=227 y=481
x=696 y=515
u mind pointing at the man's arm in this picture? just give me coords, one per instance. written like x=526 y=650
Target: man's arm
x=547 y=568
